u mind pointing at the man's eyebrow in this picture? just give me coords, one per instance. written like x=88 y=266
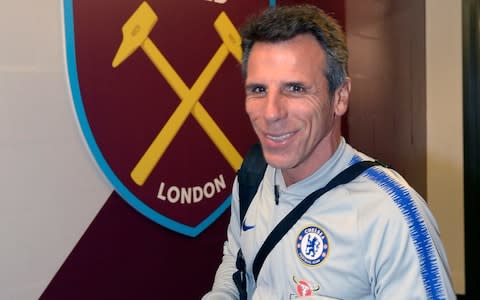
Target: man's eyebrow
x=290 y=83
x=253 y=85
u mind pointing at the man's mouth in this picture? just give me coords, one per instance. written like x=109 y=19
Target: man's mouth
x=279 y=138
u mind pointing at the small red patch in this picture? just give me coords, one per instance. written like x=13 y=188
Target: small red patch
x=304 y=289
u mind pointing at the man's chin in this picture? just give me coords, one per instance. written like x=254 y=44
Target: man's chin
x=279 y=162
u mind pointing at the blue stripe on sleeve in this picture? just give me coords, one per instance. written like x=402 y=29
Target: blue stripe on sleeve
x=418 y=230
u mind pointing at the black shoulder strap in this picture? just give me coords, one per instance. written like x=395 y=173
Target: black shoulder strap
x=249 y=177
x=284 y=226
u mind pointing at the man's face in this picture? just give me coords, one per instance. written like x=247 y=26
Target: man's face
x=288 y=104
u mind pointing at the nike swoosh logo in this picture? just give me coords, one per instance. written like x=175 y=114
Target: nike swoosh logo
x=246 y=227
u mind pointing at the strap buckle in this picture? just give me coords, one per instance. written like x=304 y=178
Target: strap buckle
x=239 y=277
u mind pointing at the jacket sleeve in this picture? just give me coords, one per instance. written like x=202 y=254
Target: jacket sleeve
x=404 y=257
x=223 y=287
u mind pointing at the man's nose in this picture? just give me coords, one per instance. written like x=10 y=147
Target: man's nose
x=275 y=106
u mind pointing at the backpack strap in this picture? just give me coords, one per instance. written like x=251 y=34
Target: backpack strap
x=249 y=177
x=292 y=217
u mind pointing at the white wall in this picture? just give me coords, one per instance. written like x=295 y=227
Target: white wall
x=444 y=128
x=50 y=187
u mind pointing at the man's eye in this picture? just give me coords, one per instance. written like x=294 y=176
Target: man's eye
x=295 y=88
x=259 y=89
x=256 y=90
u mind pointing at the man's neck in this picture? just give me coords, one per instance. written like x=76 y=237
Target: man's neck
x=319 y=156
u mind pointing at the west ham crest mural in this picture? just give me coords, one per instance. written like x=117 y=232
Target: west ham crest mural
x=158 y=95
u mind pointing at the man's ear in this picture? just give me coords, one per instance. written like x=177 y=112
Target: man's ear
x=342 y=95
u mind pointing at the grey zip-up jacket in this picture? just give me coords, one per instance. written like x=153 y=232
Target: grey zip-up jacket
x=373 y=238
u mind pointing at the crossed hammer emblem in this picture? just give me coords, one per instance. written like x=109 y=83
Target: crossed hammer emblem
x=136 y=35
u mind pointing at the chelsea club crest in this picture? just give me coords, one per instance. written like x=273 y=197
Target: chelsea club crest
x=312 y=245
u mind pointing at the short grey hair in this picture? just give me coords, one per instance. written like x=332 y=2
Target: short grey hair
x=282 y=23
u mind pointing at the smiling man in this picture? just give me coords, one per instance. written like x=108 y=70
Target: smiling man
x=370 y=237
x=290 y=106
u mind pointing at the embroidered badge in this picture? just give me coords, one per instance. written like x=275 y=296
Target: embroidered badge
x=312 y=245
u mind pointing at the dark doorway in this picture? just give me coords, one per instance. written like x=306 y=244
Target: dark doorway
x=471 y=113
